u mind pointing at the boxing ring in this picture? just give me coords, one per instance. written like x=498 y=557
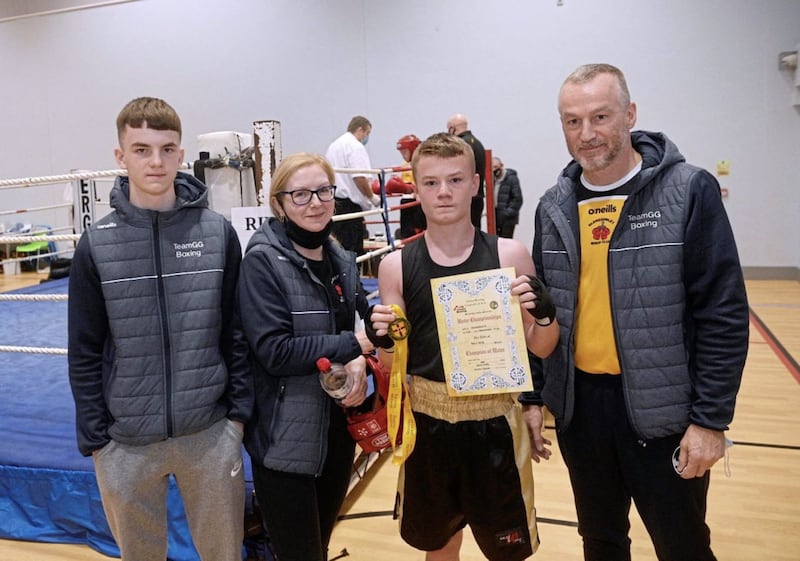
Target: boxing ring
x=48 y=491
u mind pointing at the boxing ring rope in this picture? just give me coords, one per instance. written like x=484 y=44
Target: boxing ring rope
x=34 y=209
x=390 y=246
x=67 y=177
x=63 y=178
x=33 y=350
x=37 y=181
x=25 y=238
x=41 y=236
x=100 y=174
x=33 y=297
x=383 y=211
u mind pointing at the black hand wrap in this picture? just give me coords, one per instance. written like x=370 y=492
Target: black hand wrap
x=545 y=308
x=384 y=341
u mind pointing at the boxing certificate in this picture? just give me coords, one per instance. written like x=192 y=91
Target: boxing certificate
x=481 y=333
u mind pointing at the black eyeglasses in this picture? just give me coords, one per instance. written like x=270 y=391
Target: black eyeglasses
x=302 y=197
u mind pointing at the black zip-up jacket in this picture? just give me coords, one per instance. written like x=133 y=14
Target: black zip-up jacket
x=509 y=197
x=155 y=348
x=287 y=317
x=678 y=301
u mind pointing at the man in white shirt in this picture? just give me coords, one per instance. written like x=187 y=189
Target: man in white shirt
x=353 y=191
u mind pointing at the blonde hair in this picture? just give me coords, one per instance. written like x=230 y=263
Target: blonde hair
x=287 y=168
x=443 y=145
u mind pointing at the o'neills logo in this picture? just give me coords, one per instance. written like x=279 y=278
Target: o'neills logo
x=647 y=219
x=610 y=207
x=188 y=249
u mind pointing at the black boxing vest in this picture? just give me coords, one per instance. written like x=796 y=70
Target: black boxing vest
x=425 y=356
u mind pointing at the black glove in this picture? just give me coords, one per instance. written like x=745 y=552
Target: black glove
x=384 y=341
x=545 y=308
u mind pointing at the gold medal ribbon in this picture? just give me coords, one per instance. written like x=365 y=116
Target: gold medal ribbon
x=400 y=419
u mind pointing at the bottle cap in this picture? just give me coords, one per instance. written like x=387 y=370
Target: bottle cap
x=323 y=364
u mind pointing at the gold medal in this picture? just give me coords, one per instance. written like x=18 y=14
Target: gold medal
x=399 y=329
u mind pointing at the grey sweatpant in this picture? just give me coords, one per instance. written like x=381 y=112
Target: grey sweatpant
x=207 y=466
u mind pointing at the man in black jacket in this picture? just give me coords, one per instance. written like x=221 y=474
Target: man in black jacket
x=639 y=256
x=458 y=125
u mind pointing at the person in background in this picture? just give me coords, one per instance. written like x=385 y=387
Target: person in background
x=299 y=292
x=401 y=183
x=471 y=463
x=507 y=198
x=157 y=359
x=407 y=145
x=412 y=219
x=353 y=191
x=457 y=124
x=638 y=253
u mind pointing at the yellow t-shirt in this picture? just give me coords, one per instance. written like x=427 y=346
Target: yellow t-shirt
x=408 y=175
x=595 y=347
x=599 y=211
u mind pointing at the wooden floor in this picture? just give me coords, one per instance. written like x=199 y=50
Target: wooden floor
x=13 y=282
x=754 y=515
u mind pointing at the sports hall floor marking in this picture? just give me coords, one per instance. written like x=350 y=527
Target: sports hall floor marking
x=780 y=351
x=786 y=359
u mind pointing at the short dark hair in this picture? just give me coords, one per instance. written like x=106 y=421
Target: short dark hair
x=358 y=122
x=149 y=112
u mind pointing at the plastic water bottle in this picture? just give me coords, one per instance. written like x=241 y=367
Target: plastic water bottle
x=334 y=379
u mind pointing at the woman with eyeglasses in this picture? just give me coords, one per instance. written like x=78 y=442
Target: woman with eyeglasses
x=298 y=295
